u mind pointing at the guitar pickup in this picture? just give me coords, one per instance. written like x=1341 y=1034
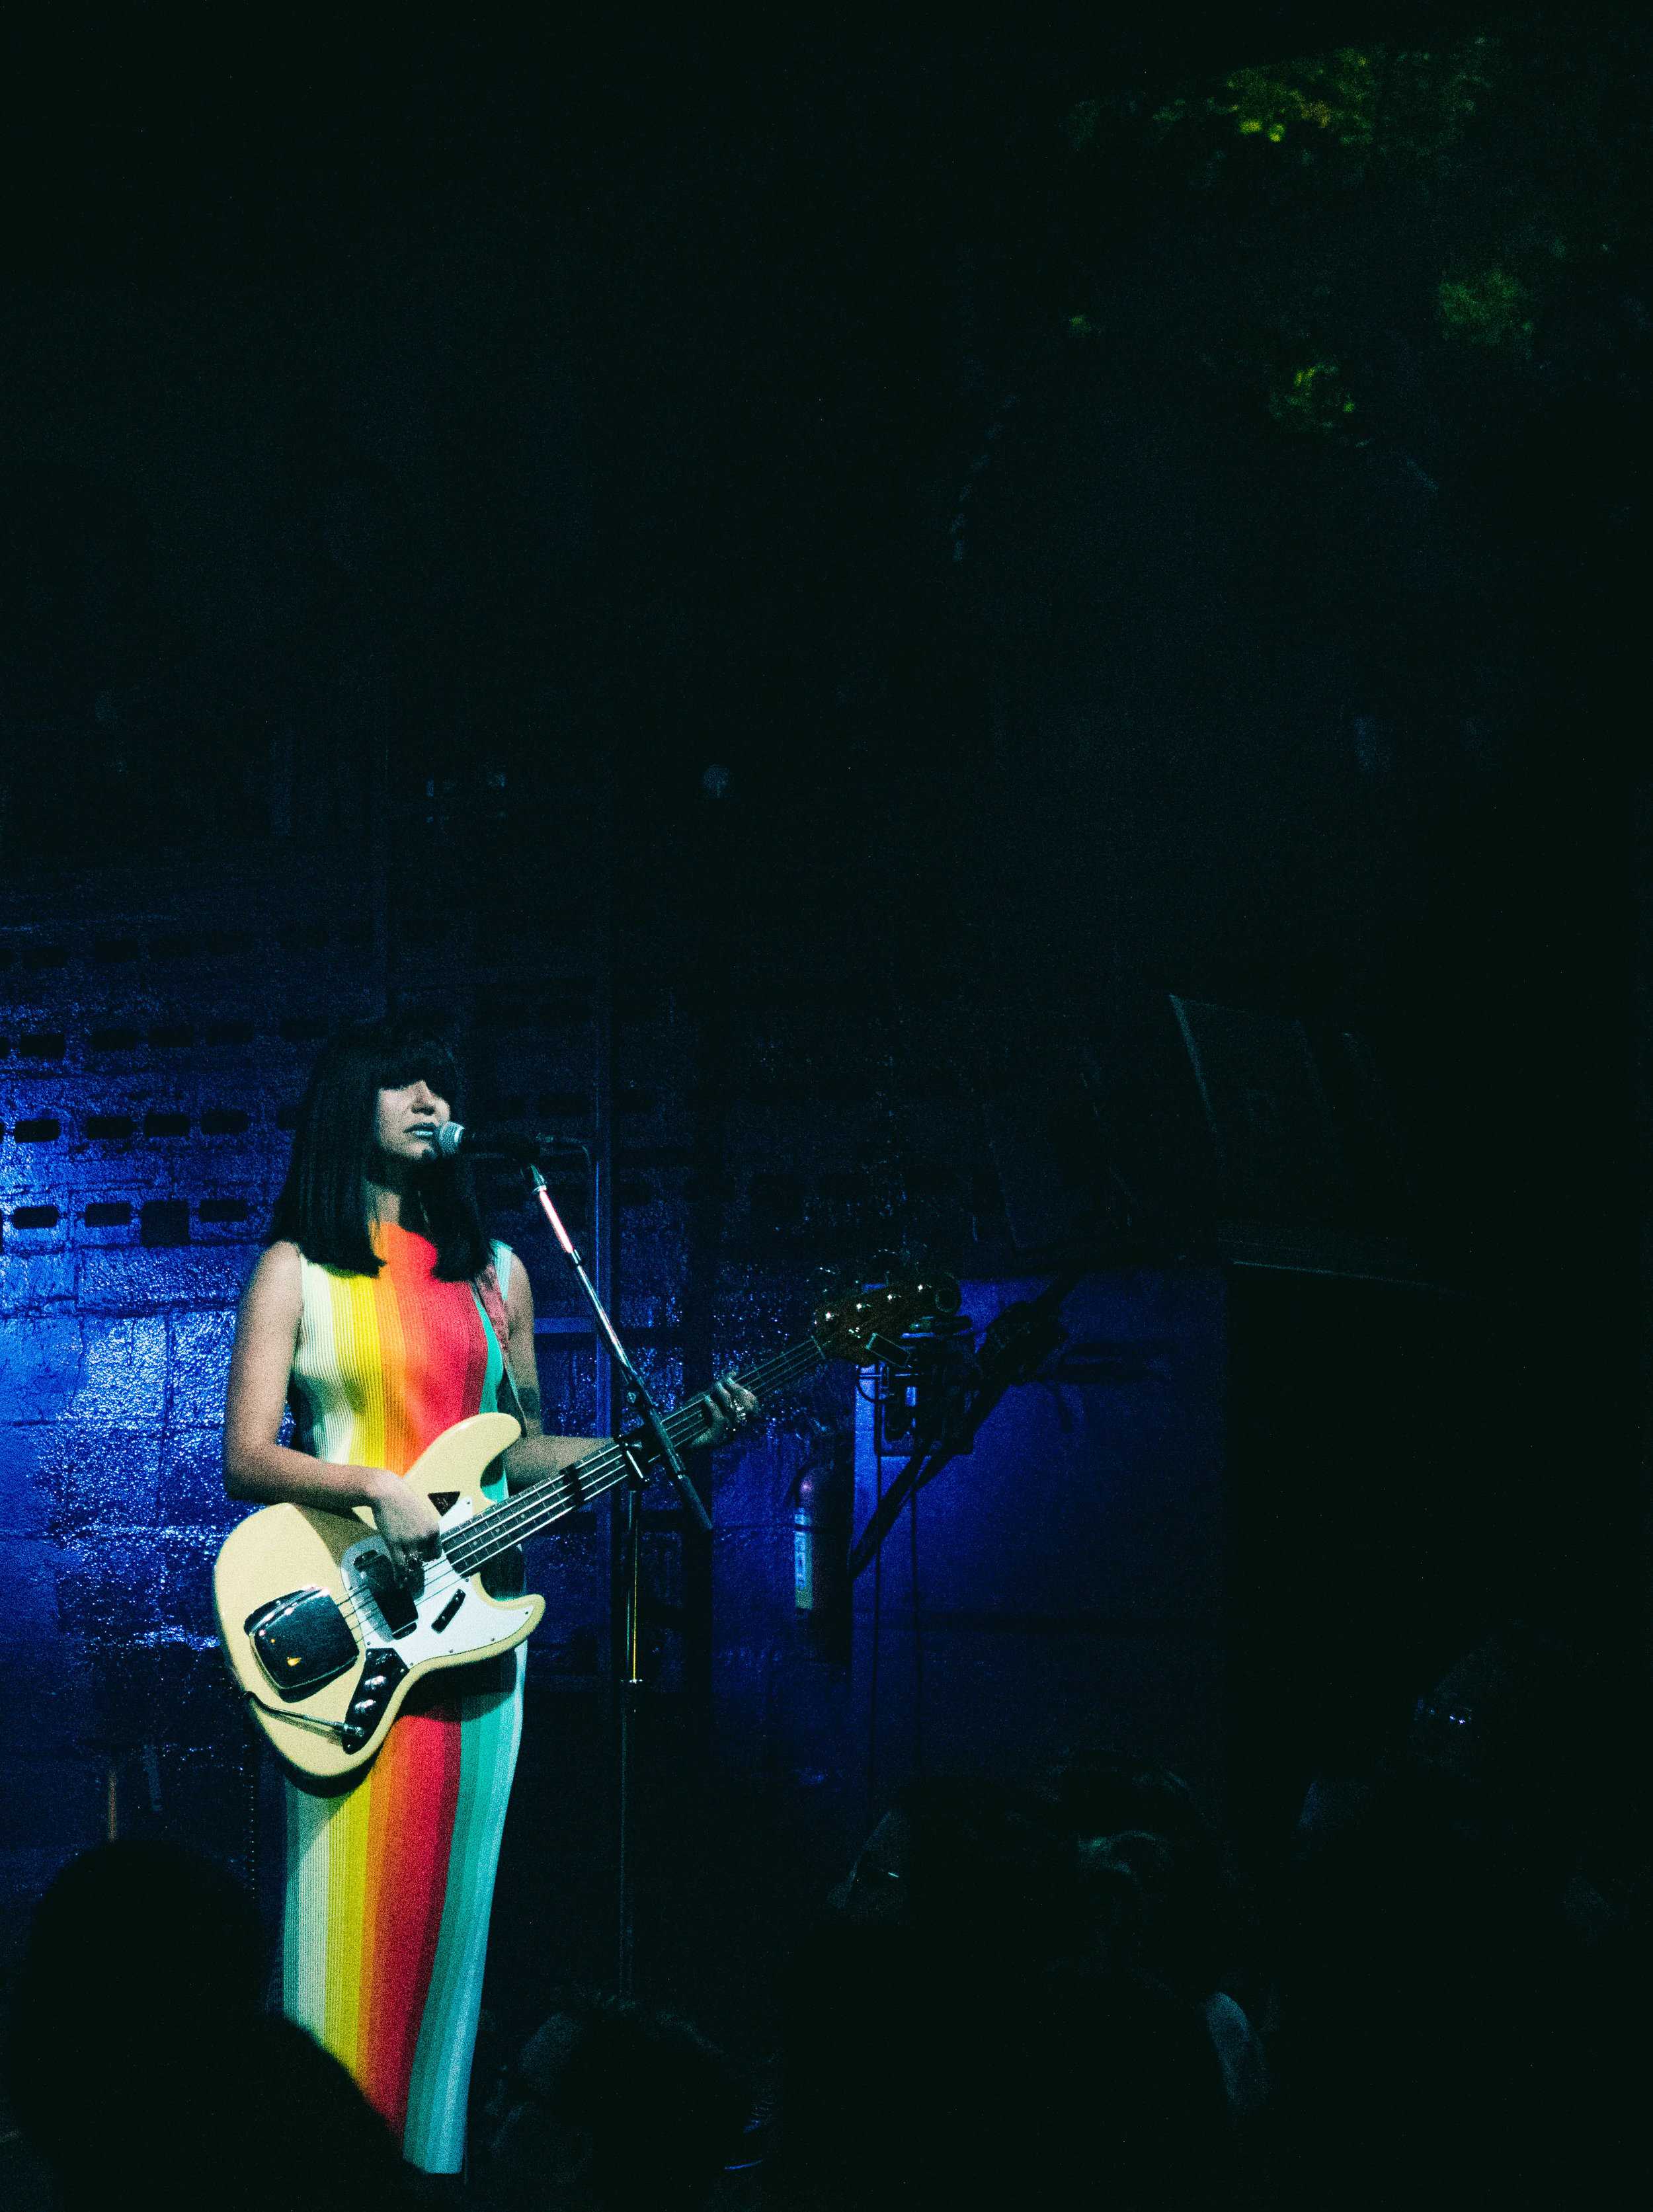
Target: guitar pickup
x=447 y=1613
x=396 y=1600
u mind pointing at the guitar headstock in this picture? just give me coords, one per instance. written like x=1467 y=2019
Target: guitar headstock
x=864 y=1324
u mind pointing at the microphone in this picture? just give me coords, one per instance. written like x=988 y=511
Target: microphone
x=455 y=1137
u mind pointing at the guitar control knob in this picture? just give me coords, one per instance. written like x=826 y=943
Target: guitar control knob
x=373 y=1682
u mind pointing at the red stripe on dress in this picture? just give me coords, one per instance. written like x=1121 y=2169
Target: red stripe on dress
x=447 y=1347
x=411 y=1889
x=436 y=1328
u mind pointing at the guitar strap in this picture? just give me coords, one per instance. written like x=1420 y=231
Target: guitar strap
x=504 y=1577
x=491 y=1300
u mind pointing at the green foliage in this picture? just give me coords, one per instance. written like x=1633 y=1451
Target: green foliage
x=1081 y=123
x=1407 y=106
x=1311 y=400
x=1408 y=221
x=1489 y=309
x=1335 y=93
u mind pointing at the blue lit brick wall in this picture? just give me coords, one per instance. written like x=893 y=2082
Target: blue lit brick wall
x=153 y=1041
x=154 y=1038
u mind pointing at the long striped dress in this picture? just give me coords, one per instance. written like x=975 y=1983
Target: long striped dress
x=388 y=1882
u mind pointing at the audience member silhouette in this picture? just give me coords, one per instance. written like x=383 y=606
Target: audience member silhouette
x=1443 y=2031
x=611 y=2108
x=140 y=2064
x=1162 y=1903
x=1195 y=1939
x=1006 y=1990
x=945 y=2041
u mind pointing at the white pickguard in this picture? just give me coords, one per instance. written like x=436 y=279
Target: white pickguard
x=471 y=1627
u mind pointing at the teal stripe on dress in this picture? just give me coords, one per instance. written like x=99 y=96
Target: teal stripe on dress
x=496 y=1375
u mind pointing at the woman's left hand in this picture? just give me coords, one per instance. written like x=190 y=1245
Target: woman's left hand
x=729 y=1408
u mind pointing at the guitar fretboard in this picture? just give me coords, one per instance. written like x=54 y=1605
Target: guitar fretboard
x=606 y=1469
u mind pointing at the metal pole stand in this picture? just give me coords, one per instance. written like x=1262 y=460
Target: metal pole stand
x=636 y=1394
x=631 y=1698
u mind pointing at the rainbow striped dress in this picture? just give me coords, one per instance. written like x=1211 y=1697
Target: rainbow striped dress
x=388 y=1882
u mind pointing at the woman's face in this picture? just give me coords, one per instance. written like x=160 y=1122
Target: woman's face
x=407 y=1121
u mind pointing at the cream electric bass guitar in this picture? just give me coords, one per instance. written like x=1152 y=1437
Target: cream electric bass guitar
x=323 y=1641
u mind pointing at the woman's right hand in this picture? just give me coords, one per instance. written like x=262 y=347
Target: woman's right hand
x=410 y=1525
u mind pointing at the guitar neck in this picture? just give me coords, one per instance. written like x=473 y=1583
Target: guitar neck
x=513 y=1521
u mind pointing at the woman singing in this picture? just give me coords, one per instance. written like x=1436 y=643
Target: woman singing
x=382 y=1315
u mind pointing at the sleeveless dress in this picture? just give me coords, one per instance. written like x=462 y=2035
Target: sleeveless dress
x=388 y=1881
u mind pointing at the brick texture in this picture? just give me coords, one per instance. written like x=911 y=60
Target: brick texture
x=171 y=1022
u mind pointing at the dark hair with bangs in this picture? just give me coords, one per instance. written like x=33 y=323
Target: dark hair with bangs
x=323 y=1207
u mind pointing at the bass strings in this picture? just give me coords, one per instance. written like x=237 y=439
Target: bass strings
x=510 y=1523
x=606 y=1469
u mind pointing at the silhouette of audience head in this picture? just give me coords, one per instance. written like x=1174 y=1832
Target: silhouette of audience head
x=1103 y=1793
x=940 y=2041
x=614 y=2107
x=138 y=1952
x=1159 y=1899
x=1502 y=1737
x=138 y=2059
x=1435 y=2005
x=976 y=1866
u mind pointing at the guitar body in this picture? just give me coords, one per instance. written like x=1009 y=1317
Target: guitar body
x=325 y=1646
x=318 y=1637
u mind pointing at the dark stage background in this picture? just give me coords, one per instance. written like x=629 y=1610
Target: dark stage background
x=830 y=607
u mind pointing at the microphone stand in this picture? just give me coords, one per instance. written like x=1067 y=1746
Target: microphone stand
x=636 y=1395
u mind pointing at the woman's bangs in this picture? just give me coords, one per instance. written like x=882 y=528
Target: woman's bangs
x=415 y=1061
